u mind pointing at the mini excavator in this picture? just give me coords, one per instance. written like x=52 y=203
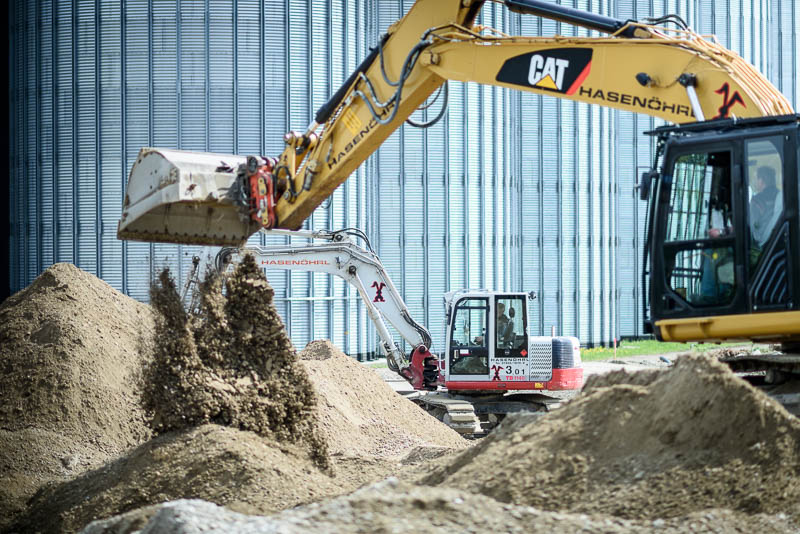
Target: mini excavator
x=490 y=367
x=723 y=233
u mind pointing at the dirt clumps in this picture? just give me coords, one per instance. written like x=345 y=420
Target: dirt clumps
x=230 y=467
x=688 y=439
x=362 y=415
x=231 y=364
x=71 y=353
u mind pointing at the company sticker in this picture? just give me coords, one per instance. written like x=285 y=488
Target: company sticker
x=560 y=70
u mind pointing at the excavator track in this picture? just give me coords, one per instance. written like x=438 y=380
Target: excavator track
x=775 y=373
x=474 y=416
x=456 y=413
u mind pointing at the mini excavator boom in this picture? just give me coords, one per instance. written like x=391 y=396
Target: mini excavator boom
x=338 y=254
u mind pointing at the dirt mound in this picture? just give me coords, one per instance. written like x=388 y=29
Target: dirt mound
x=230 y=467
x=644 y=377
x=231 y=364
x=71 y=350
x=361 y=415
x=238 y=469
x=392 y=506
x=688 y=439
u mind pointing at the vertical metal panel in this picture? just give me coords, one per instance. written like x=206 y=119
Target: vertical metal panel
x=247 y=64
x=45 y=136
x=110 y=157
x=85 y=133
x=137 y=128
x=17 y=256
x=31 y=190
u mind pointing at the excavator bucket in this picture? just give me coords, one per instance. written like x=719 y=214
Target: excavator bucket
x=175 y=196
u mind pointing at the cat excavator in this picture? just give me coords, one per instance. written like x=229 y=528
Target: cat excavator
x=723 y=234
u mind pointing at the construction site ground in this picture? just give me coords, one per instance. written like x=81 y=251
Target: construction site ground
x=117 y=416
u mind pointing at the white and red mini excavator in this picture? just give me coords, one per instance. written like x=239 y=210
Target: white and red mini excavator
x=489 y=358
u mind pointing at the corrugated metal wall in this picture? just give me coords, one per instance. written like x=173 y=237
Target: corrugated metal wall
x=511 y=191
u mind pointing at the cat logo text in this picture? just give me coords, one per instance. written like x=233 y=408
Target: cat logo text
x=560 y=70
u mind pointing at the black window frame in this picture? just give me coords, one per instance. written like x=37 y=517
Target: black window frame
x=673 y=303
x=487 y=346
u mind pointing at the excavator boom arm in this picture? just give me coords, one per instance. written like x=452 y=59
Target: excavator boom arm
x=676 y=75
x=659 y=75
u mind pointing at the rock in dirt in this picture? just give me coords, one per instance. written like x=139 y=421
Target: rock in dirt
x=393 y=506
x=680 y=441
x=223 y=465
x=71 y=352
x=361 y=415
x=231 y=364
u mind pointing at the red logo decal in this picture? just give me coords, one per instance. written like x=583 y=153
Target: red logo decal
x=523 y=352
x=378 y=292
x=728 y=101
x=496 y=369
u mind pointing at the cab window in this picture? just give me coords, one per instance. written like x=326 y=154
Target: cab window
x=469 y=344
x=765 y=178
x=510 y=326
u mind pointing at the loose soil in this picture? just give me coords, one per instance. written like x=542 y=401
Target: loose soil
x=361 y=415
x=231 y=364
x=71 y=353
x=231 y=467
x=241 y=421
x=644 y=445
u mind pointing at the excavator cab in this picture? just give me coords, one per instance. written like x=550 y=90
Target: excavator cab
x=723 y=231
x=489 y=347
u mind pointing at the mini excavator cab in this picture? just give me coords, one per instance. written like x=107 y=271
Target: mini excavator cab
x=724 y=234
x=488 y=346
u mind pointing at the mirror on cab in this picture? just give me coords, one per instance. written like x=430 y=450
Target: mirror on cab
x=645 y=182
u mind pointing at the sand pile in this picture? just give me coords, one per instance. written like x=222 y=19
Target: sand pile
x=361 y=415
x=669 y=444
x=231 y=364
x=71 y=351
x=239 y=469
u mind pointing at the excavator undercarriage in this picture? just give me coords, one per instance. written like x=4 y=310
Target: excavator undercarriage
x=775 y=372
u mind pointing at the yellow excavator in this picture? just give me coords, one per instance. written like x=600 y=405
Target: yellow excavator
x=723 y=235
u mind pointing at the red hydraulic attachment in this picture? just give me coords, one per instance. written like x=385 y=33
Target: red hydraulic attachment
x=263 y=189
x=423 y=373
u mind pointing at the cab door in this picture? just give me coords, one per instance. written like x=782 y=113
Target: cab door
x=469 y=340
x=511 y=362
x=772 y=181
x=698 y=251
